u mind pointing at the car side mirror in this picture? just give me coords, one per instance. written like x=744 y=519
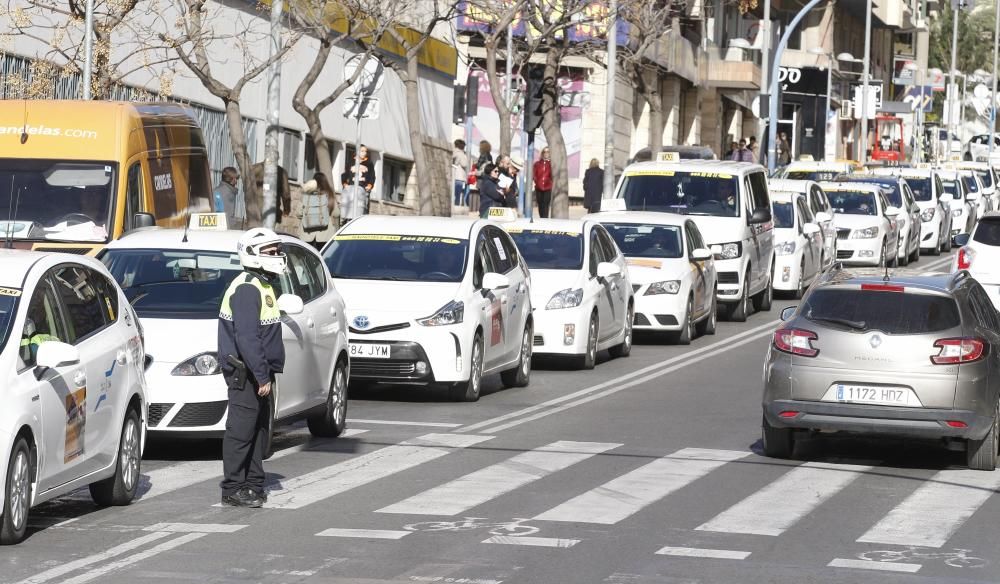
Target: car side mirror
x=961 y=240
x=290 y=304
x=946 y=198
x=140 y=220
x=53 y=354
x=810 y=229
x=607 y=270
x=759 y=216
x=892 y=212
x=823 y=217
x=787 y=313
x=495 y=281
x=701 y=254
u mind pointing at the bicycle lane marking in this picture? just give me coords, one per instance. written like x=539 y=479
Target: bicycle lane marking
x=878 y=566
x=364 y=533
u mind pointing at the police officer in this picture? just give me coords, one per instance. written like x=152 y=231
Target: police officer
x=250 y=353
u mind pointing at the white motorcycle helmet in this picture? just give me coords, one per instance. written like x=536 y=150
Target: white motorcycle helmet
x=250 y=248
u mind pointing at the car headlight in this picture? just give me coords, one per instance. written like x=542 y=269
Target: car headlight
x=667 y=287
x=203 y=364
x=787 y=248
x=451 y=313
x=866 y=233
x=568 y=298
x=927 y=215
x=731 y=250
x=956 y=212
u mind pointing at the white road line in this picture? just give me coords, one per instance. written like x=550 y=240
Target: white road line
x=703 y=553
x=194 y=527
x=134 y=558
x=532 y=541
x=364 y=533
x=614 y=382
x=405 y=423
x=932 y=513
x=63 y=569
x=781 y=504
x=880 y=566
x=617 y=387
x=631 y=492
x=493 y=481
x=326 y=482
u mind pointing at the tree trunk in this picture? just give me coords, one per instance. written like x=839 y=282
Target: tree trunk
x=425 y=194
x=238 y=141
x=496 y=92
x=654 y=98
x=552 y=126
x=311 y=116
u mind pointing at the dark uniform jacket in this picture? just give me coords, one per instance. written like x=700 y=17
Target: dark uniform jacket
x=250 y=328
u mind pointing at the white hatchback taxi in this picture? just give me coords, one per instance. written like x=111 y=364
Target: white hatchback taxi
x=433 y=300
x=75 y=400
x=819 y=206
x=979 y=254
x=175 y=280
x=934 y=204
x=798 y=243
x=867 y=233
x=672 y=271
x=580 y=289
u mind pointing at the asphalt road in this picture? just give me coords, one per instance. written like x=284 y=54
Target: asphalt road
x=646 y=470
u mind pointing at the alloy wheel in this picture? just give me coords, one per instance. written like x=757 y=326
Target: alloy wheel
x=526 y=352
x=19 y=495
x=129 y=456
x=627 y=341
x=476 y=373
x=337 y=396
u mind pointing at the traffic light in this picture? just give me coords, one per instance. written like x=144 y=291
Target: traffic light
x=458 y=105
x=533 y=99
x=472 y=97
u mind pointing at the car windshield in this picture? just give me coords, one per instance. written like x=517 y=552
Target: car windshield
x=815 y=175
x=409 y=258
x=985 y=176
x=890 y=187
x=951 y=187
x=784 y=215
x=987 y=231
x=893 y=313
x=687 y=193
x=970 y=183
x=853 y=202
x=173 y=283
x=547 y=249
x=56 y=200
x=638 y=240
x=8 y=311
x=921 y=188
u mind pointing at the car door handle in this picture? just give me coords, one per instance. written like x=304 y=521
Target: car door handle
x=310 y=323
x=80 y=378
x=121 y=357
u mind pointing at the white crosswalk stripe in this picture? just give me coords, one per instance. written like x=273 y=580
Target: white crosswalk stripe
x=629 y=493
x=791 y=497
x=491 y=482
x=935 y=511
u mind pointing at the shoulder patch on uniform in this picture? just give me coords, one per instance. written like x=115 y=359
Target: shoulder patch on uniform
x=269 y=301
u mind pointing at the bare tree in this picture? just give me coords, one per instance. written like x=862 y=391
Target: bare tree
x=366 y=22
x=124 y=44
x=194 y=45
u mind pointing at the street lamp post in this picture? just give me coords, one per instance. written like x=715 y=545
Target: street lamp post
x=865 y=74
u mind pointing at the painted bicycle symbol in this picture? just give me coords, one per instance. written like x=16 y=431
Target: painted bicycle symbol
x=514 y=527
x=958 y=558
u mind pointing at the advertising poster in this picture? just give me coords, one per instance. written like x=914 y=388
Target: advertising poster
x=76 y=418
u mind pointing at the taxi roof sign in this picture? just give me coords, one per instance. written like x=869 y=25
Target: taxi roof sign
x=613 y=205
x=208 y=222
x=502 y=214
x=668 y=157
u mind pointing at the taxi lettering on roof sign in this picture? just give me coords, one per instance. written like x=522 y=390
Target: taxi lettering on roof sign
x=502 y=214
x=650 y=173
x=208 y=221
x=668 y=157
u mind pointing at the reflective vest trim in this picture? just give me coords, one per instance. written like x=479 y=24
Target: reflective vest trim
x=269 y=313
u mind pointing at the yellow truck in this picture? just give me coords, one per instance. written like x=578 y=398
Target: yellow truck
x=76 y=174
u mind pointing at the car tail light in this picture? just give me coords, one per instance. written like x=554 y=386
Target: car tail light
x=965 y=256
x=795 y=341
x=883 y=287
x=957 y=424
x=788 y=414
x=959 y=350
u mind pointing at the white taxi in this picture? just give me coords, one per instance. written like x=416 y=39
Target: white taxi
x=979 y=254
x=819 y=206
x=433 y=301
x=580 y=288
x=934 y=204
x=74 y=401
x=817 y=170
x=798 y=243
x=671 y=269
x=986 y=177
x=867 y=232
x=964 y=205
x=175 y=280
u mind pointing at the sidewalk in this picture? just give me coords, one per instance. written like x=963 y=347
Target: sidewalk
x=575 y=212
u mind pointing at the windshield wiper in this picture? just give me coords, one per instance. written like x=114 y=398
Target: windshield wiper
x=851 y=324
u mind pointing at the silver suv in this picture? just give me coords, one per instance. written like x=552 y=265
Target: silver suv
x=912 y=355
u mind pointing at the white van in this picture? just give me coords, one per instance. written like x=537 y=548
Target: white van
x=729 y=203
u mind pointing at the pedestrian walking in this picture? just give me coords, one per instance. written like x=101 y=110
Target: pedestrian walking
x=733 y=146
x=593 y=187
x=784 y=150
x=485 y=157
x=752 y=145
x=353 y=198
x=225 y=196
x=543 y=182
x=250 y=353
x=742 y=153
x=318 y=198
x=489 y=191
x=460 y=173
x=513 y=194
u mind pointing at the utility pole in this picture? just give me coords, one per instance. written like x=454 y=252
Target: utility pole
x=765 y=72
x=609 y=110
x=270 y=208
x=993 y=104
x=88 y=49
x=952 y=88
x=865 y=74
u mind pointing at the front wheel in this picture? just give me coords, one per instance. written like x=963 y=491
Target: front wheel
x=762 y=302
x=905 y=259
x=468 y=391
x=625 y=348
x=120 y=488
x=520 y=375
x=707 y=324
x=332 y=422
x=589 y=359
x=947 y=244
x=687 y=333
x=14 y=522
x=741 y=310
